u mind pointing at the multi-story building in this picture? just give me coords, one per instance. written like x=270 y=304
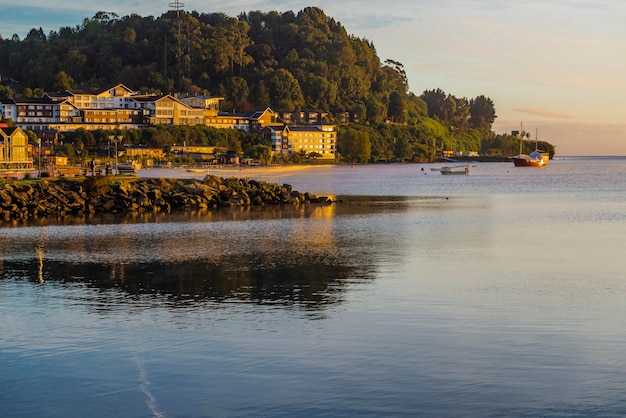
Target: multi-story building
x=31 y=113
x=317 y=141
x=14 y=149
x=119 y=107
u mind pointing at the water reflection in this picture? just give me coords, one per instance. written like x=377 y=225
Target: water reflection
x=306 y=285
x=304 y=256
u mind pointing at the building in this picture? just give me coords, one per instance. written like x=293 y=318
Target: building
x=119 y=107
x=315 y=141
x=167 y=110
x=303 y=116
x=202 y=102
x=133 y=151
x=252 y=121
x=14 y=150
x=278 y=138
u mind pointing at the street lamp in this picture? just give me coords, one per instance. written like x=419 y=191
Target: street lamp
x=115 y=139
x=39 y=159
x=117 y=170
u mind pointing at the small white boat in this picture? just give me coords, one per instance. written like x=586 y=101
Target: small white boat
x=458 y=169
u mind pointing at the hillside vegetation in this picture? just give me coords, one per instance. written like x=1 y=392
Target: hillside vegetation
x=287 y=61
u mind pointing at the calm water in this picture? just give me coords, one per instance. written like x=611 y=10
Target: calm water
x=501 y=293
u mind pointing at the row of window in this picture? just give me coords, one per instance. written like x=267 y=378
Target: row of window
x=96 y=106
x=105 y=120
x=308 y=134
x=322 y=140
x=312 y=146
x=117 y=112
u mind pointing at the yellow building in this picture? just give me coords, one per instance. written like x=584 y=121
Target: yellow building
x=318 y=141
x=315 y=141
x=14 y=150
x=142 y=151
x=166 y=110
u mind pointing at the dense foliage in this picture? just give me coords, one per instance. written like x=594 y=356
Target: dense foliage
x=287 y=61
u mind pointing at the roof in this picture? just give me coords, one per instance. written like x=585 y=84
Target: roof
x=306 y=128
x=104 y=89
x=28 y=100
x=188 y=96
x=75 y=92
x=275 y=128
x=57 y=94
x=149 y=97
x=253 y=114
x=9 y=130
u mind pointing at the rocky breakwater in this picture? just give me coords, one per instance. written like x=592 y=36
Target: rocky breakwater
x=107 y=194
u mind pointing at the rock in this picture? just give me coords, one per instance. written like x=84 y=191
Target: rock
x=103 y=194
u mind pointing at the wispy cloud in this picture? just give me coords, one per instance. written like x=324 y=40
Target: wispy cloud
x=545 y=113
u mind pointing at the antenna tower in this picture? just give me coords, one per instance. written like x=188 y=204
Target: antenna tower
x=177 y=6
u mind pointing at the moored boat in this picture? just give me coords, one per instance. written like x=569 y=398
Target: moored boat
x=537 y=158
x=459 y=169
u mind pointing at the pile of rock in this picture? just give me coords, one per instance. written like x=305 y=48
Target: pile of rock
x=106 y=194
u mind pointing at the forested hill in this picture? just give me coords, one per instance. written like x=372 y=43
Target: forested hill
x=257 y=59
x=287 y=61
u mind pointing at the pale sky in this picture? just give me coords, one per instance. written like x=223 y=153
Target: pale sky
x=557 y=66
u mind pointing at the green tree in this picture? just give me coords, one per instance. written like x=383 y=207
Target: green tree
x=285 y=90
x=376 y=110
x=437 y=102
x=482 y=113
x=6 y=92
x=62 y=81
x=260 y=96
x=236 y=91
x=402 y=148
x=354 y=145
x=397 y=109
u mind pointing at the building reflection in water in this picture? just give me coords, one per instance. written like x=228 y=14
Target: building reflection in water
x=306 y=255
x=283 y=256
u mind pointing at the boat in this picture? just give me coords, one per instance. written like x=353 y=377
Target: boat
x=537 y=158
x=458 y=169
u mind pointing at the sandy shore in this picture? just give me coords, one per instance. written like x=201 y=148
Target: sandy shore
x=266 y=173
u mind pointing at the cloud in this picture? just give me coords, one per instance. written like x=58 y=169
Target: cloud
x=545 y=113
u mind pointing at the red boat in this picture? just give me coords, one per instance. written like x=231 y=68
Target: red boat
x=535 y=159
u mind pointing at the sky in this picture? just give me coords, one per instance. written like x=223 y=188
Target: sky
x=555 y=67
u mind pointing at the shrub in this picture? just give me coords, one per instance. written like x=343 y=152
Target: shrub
x=97 y=184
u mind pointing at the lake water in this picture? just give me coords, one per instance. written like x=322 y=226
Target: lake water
x=501 y=293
